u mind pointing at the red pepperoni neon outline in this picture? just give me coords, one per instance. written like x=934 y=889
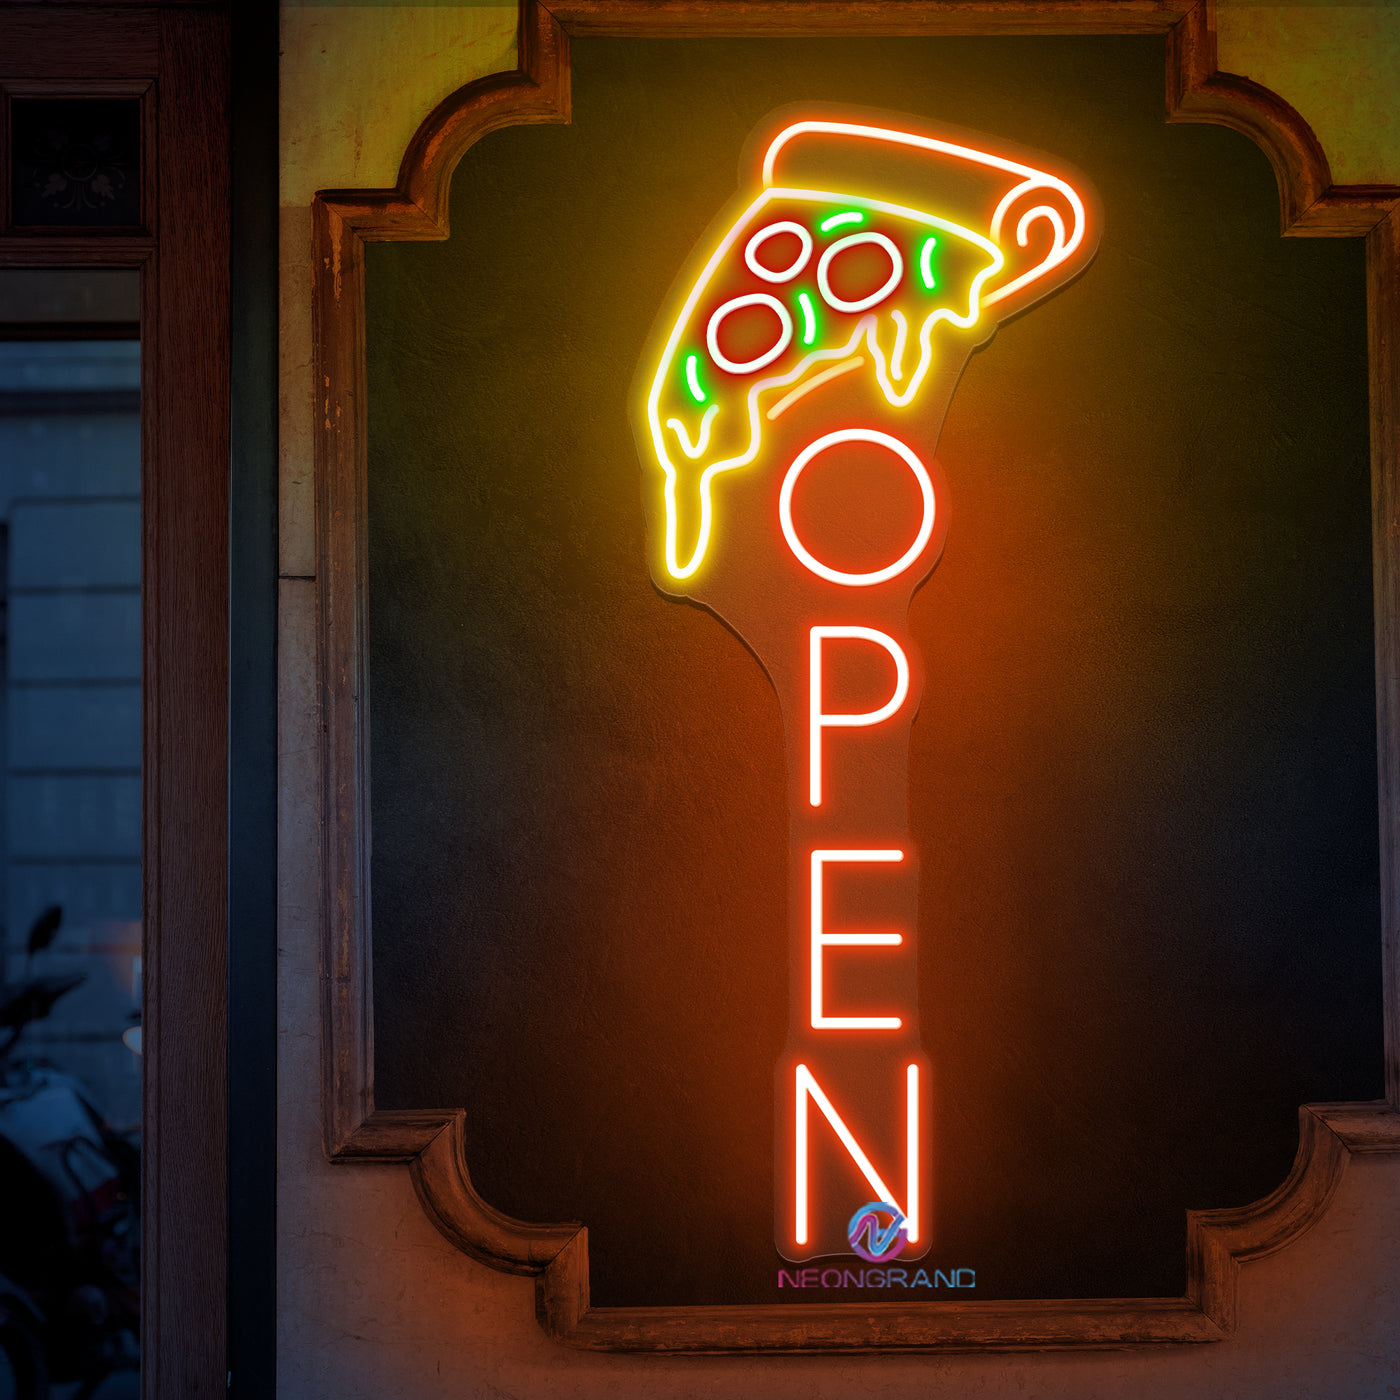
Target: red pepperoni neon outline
x=760 y=361
x=762 y=236
x=850 y=241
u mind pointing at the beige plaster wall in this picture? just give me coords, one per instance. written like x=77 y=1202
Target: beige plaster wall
x=357 y=80
x=372 y=1303
x=1339 y=65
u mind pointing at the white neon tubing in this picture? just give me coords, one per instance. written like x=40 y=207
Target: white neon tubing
x=762 y=237
x=832 y=221
x=702 y=542
x=702 y=440
x=926 y=262
x=807 y=558
x=692 y=383
x=901 y=331
x=865 y=327
x=1031 y=179
x=1060 y=247
x=821 y=939
x=851 y=240
x=806 y=1085
x=769 y=355
x=815 y=382
x=817 y=720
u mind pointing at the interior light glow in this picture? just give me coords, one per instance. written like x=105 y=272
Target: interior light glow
x=902 y=451
x=821 y=939
x=854 y=240
x=807 y=1087
x=759 y=361
x=815 y=382
x=762 y=236
x=818 y=720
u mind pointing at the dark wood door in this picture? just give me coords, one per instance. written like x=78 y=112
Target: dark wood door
x=171 y=66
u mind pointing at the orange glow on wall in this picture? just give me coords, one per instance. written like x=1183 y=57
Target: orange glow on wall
x=787 y=410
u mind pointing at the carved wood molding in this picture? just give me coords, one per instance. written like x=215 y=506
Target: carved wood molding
x=342 y=222
x=1309 y=203
x=1218 y=1242
x=433 y=1141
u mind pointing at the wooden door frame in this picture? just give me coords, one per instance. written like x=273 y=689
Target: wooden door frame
x=182 y=254
x=433 y=1141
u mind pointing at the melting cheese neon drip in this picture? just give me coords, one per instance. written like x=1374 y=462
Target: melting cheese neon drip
x=815 y=382
x=703 y=440
x=897 y=354
x=866 y=327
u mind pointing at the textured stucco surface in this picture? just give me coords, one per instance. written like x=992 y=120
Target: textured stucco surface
x=372 y=1302
x=358 y=79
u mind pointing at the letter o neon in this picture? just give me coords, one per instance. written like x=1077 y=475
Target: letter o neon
x=768 y=356
x=876 y=297
x=762 y=237
x=805 y=556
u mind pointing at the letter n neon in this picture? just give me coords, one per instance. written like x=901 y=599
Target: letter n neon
x=805 y=1088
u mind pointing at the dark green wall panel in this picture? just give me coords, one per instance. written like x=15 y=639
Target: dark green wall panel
x=1143 y=771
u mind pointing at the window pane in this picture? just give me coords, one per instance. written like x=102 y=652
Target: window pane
x=70 y=829
x=76 y=161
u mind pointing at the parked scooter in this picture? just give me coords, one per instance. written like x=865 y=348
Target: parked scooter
x=70 y=1233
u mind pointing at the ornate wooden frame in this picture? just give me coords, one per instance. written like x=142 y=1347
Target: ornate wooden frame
x=432 y=1141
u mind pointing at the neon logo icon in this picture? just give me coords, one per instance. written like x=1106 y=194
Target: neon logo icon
x=786 y=409
x=876 y=1232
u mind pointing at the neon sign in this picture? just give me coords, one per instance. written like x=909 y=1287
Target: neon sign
x=786 y=413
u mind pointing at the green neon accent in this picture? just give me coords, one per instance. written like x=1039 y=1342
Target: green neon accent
x=809 y=319
x=851 y=216
x=926 y=263
x=692 y=379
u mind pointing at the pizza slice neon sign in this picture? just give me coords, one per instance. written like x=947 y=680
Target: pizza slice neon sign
x=786 y=413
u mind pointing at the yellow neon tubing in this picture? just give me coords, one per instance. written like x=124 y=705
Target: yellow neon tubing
x=865 y=327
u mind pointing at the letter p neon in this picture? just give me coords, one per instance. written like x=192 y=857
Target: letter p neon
x=819 y=719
